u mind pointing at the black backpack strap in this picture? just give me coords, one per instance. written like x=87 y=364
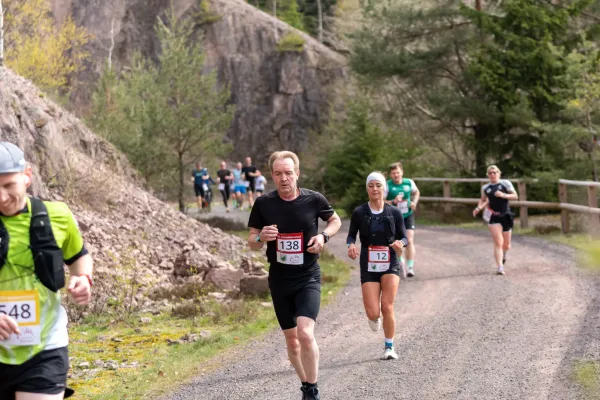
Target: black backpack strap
x=47 y=256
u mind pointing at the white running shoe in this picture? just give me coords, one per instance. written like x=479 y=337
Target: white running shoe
x=390 y=354
x=411 y=272
x=375 y=325
x=500 y=271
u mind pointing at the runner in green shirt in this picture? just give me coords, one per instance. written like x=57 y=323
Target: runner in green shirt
x=404 y=194
x=33 y=324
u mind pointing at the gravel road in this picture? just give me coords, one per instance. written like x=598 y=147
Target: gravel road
x=462 y=331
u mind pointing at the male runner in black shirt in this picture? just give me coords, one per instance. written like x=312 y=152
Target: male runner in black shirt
x=287 y=220
x=225 y=178
x=250 y=172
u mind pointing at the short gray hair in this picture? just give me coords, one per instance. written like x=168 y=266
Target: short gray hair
x=280 y=155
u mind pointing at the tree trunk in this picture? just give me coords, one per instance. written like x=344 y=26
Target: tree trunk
x=275 y=15
x=181 y=183
x=593 y=147
x=320 y=28
x=1 y=35
x=480 y=149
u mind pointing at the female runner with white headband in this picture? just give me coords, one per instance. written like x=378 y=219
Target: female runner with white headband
x=382 y=235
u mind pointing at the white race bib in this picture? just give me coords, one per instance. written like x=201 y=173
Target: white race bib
x=24 y=307
x=379 y=259
x=487 y=214
x=221 y=186
x=290 y=248
x=403 y=206
x=205 y=187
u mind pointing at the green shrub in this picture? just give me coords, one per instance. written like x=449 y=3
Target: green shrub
x=291 y=41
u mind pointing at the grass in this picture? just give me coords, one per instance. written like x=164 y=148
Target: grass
x=160 y=367
x=587 y=374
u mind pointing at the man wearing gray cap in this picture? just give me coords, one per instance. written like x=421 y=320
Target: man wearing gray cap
x=36 y=240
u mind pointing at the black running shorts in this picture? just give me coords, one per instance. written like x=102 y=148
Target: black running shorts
x=252 y=186
x=366 y=276
x=409 y=222
x=199 y=190
x=506 y=220
x=302 y=302
x=45 y=373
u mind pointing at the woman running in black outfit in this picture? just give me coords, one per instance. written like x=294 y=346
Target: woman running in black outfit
x=382 y=235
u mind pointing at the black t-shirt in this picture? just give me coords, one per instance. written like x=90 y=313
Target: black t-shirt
x=222 y=174
x=498 y=204
x=246 y=171
x=291 y=217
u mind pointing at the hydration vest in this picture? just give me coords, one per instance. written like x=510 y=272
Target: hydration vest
x=48 y=258
x=389 y=222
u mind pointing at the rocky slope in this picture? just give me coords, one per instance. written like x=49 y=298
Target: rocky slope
x=139 y=243
x=280 y=96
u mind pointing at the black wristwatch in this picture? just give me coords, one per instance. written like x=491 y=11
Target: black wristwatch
x=325 y=237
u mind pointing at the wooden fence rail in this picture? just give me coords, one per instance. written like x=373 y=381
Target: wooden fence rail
x=563 y=205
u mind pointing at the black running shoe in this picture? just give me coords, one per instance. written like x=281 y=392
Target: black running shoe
x=303 y=390
x=312 y=394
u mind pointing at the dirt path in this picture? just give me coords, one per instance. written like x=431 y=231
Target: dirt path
x=463 y=332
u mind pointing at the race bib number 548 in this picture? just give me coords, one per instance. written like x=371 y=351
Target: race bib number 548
x=290 y=248
x=22 y=306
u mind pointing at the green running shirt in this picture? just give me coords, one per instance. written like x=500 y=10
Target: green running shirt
x=406 y=187
x=18 y=283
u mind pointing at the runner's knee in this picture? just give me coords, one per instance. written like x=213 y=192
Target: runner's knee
x=387 y=309
x=293 y=345
x=372 y=313
x=305 y=337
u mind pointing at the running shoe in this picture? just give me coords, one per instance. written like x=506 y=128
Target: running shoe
x=503 y=258
x=311 y=394
x=375 y=325
x=500 y=271
x=303 y=390
x=390 y=354
x=411 y=272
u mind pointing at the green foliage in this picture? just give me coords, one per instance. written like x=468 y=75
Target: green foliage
x=361 y=148
x=166 y=116
x=477 y=86
x=291 y=41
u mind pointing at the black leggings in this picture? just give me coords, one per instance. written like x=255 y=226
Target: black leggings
x=225 y=193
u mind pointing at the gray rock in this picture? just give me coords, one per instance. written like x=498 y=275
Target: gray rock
x=254 y=285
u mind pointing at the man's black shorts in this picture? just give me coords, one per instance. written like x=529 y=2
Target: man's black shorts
x=302 y=302
x=45 y=373
x=409 y=222
x=199 y=191
x=252 y=185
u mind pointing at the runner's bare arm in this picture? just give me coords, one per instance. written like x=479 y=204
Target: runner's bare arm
x=416 y=194
x=333 y=225
x=481 y=205
x=79 y=285
x=254 y=245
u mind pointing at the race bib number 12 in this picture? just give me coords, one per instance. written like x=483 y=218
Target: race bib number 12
x=24 y=307
x=379 y=259
x=290 y=248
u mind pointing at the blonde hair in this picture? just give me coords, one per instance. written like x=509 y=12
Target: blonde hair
x=280 y=155
x=491 y=167
x=396 y=165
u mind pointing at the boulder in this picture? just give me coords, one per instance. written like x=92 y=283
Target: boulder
x=254 y=285
x=224 y=277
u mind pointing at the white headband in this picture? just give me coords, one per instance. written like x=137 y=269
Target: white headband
x=376 y=176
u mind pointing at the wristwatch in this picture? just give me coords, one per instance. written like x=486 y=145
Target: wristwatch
x=325 y=237
x=257 y=238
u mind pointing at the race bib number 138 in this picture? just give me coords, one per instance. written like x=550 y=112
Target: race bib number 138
x=290 y=248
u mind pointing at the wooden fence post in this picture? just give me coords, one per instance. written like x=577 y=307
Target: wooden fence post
x=447 y=206
x=593 y=202
x=523 y=211
x=564 y=214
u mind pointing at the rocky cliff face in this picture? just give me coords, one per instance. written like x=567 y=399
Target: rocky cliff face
x=280 y=96
x=136 y=240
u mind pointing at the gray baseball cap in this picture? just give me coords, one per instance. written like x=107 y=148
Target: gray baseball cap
x=12 y=158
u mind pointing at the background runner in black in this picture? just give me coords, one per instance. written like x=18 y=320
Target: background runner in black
x=225 y=178
x=496 y=212
x=249 y=171
x=287 y=219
